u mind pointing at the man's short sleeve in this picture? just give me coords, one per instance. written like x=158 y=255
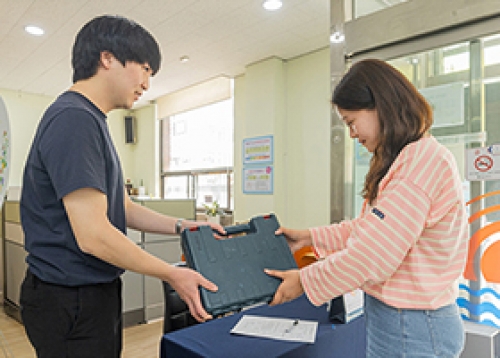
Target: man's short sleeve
x=72 y=151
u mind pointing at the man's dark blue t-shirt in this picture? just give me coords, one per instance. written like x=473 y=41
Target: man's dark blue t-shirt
x=72 y=150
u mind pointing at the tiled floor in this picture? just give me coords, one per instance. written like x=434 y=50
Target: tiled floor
x=141 y=341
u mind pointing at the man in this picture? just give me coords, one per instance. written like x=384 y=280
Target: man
x=74 y=208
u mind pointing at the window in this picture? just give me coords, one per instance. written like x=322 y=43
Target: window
x=197 y=155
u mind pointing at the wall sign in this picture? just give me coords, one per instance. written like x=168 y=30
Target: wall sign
x=258 y=180
x=483 y=163
x=258 y=150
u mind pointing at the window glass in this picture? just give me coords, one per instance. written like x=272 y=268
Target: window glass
x=212 y=187
x=197 y=155
x=492 y=50
x=200 y=139
x=176 y=187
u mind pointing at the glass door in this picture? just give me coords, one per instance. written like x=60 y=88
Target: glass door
x=462 y=83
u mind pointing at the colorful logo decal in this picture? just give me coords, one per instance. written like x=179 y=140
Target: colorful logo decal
x=488 y=238
x=482 y=269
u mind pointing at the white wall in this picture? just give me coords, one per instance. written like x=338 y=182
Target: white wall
x=259 y=100
x=291 y=101
x=24 y=111
x=308 y=141
x=146 y=153
x=116 y=125
x=140 y=161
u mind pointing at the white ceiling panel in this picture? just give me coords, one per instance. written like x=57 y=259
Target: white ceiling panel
x=10 y=13
x=221 y=37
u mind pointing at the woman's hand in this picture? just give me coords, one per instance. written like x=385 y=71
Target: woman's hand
x=290 y=287
x=296 y=238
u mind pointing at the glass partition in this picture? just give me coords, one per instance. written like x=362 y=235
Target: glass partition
x=462 y=83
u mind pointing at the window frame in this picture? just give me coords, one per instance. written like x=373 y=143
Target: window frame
x=192 y=175
x=192 y=179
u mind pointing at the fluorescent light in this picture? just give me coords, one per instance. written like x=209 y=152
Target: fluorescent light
x=34 y=30
x=272 y=5
x=184 y=59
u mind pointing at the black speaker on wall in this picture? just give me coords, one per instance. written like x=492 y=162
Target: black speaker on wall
x=130 y=129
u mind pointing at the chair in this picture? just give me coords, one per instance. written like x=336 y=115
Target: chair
x=176 y=314
x=304 y=256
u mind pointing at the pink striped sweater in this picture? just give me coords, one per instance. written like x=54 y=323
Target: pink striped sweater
x=410 y=248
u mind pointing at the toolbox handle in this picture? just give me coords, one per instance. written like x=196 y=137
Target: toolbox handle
x=236 y=229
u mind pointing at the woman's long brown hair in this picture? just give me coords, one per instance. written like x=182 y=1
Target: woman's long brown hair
x=404 y=114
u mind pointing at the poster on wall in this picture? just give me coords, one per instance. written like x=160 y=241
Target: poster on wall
x=4 y=150
x=258 y=150
x=258 y=180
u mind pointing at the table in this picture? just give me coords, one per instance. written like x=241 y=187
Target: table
x=212 y=339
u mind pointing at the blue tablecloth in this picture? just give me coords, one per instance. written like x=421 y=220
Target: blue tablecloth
x=212 y=339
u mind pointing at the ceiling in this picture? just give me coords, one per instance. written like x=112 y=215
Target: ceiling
x=220 y=38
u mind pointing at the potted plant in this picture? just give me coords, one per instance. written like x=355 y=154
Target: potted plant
x=213 y=212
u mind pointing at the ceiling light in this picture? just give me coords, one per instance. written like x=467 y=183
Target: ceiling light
x=272 y=5
x=337 y=37
x=184 y=59
x=34 y=30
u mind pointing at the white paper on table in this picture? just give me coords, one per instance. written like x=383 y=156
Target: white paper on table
x=285 y=329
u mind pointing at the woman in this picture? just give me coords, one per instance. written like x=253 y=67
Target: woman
x=408 y=247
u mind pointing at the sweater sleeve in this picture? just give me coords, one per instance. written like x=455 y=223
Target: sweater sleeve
x=378 y=242
x=331 y=238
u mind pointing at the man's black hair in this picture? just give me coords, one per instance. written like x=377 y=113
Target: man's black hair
x=125 y=39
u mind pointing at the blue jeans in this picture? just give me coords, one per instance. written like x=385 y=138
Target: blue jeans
x=405 y=333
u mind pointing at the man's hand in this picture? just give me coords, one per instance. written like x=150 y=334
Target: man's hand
x=216 y=227
x=186 y=283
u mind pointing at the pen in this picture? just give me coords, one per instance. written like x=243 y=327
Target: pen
x=294 y=323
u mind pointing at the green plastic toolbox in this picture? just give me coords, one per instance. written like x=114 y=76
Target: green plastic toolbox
x=236 y=264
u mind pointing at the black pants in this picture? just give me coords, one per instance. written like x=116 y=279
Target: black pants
x=71 y=322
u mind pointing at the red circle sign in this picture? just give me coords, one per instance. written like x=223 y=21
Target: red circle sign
x=483 y=163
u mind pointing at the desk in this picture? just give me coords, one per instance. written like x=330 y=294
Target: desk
x=212 y=339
